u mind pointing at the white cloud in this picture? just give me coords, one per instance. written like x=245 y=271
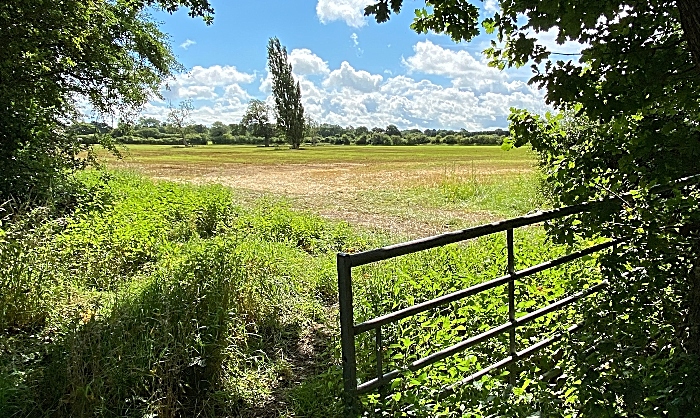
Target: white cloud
x=491 y=6
x=234 y=90
x=196 y=92
x=472 y=96
x=305 y=62
x=215 y=75
x=266 y=84
x=347 y=77
x=356 y=43
x=349 y=11
x=461 y=67
x=188 y=43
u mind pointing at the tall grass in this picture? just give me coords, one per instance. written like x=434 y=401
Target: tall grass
x=152 y=298
x=161 y=299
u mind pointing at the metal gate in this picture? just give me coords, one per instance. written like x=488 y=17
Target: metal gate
x=349 y=330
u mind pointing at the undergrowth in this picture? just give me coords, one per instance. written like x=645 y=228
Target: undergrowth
x=146 y=298
x=157 y=298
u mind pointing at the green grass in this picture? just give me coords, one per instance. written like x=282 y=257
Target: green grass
x=158 y=298
x=211 y=155
x=411 y=191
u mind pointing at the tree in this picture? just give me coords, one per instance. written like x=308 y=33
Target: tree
x=218 y=132
x=311 y=128
x=179 y=118
x=257 y=120
x=237 y=129
x=289 y=111
x=148 y=123
x=628 y=120
x=392 y=130
x=199 y=128
x=109 y=53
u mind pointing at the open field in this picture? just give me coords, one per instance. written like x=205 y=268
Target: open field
x=406 y=191
x=153 y=298
x=157 y=298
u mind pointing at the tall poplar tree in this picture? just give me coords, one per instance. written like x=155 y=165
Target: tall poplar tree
x=288 y=108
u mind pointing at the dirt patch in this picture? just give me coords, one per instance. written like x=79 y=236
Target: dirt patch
x=339 y=190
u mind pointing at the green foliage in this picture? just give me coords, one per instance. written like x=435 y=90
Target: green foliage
x=257 y=120
x=179 y=119
x=287 y=93
x=161 y=298
x=55 y=53
x=627 y=123
x=396 y=284
x=157 y=298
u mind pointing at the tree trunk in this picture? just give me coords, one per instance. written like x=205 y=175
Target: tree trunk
x=689 y=11
x=184 y=140
x=693 y=343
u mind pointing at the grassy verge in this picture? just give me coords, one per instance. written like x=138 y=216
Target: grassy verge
x=162 y=299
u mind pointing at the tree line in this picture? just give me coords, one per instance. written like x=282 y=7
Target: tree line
x=149 y=130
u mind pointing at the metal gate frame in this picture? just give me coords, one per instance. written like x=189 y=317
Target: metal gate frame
x=348 y=329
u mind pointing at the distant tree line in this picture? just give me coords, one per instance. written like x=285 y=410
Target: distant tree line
x=154 y=131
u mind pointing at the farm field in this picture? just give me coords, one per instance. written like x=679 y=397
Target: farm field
x=405 y=191
x=205 y=283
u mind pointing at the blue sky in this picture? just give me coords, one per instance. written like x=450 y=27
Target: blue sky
x=352 y=70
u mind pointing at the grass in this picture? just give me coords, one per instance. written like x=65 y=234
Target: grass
x=408 y=191
x=215 y=155
x=157 y=298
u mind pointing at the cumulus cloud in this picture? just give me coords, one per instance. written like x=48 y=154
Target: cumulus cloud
x=188 y=43
x=347 y=77
x=305 y=62
x=461 y=67
x=206 y=83
x=234 y=90
x=228 y=112
x=216 y=75
x=349 y=11
x=472 y=96
x=193 y=92
x=491 y=6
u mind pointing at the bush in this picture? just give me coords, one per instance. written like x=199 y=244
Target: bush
x=156 y=298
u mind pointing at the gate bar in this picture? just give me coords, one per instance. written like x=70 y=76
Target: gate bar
x=478 y=288
x=511 y=300
x=347 y=337
x=463 y=345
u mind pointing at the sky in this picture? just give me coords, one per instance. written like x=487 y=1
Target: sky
x=352 y=71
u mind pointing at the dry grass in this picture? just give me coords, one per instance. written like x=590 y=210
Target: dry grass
x=392 y=189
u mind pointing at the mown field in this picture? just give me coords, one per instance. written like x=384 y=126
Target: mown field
x=202 y=282
x=409 y=191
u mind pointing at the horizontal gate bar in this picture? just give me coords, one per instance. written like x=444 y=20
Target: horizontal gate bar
x=463 y=345
x=470 y=291
x=391 y=251
x=510 y=359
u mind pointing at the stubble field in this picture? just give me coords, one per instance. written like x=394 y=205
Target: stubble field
x=404 y=191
